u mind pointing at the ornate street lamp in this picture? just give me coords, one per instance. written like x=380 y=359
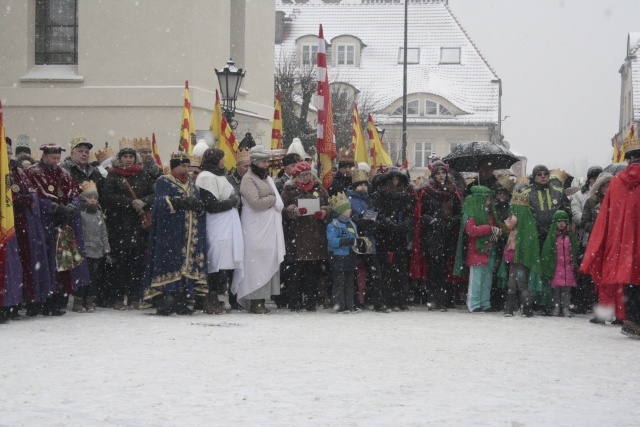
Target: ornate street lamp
x=230 y=79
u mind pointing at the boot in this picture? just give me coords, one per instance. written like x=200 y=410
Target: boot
x=556 y=311
x=51 y=306
x=211 y=304
x=90 y=304
x=527 y=307
x=508 y=306
x=78 y=304
x=33 y=309
x=257 y=307
x=566 y=312
x=182 y=308
x=166 y=305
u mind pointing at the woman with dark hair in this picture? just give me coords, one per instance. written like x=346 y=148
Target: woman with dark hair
x=126 y=193
x=439 y=218
x=225 y=248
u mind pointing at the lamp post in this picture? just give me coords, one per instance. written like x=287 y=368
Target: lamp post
x=380 y=133
x=230 y=79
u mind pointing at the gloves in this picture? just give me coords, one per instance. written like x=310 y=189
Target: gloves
x=493 y=238
x=108 y=259
x=63 y=214
x=187 y=204
x=496 y=231
x=302 y=211
x=138 y=205
x=360 y=246
x=233 y=199
x=347 y=241
x=318 y=214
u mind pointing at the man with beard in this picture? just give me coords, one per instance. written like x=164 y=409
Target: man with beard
x=143 y=146
x=394 y=202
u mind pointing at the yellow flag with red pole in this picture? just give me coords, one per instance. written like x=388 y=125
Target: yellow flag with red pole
x=276 y=129
x=6 y=220
x=154 y=151
x=357 y=139
x=377 y=152
x=226 y=140
x=188 y=128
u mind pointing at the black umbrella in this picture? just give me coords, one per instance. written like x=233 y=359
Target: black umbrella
x=469 y=156
x=615 y=168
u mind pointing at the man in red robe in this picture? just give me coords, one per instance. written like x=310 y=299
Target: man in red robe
x=612 y=256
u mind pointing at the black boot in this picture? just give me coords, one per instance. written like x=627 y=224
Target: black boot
x=166 y=305
x=509 y=303
x=182 y=308
x=33 y=309
x=527 y=306
x=53 y=306
x=4 y=315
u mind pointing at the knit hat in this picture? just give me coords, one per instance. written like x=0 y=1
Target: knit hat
x=299 y=168
x=560 y=216
x=539 y=168
x=212 y=156
x=594 y=171
x=290 y=159
x=437 y=165
x=339 y=203
x=127 y=150
x=259 y=154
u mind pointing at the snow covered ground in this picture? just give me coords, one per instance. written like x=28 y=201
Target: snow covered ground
x=129 y=368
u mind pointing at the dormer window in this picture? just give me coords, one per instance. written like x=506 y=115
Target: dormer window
x=309 y=54
x=449 y=55
x=346 y=54
x=413 y=55
x=412 y=109
x=432 y=108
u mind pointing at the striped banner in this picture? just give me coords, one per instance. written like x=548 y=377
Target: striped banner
x=358 y=146
x=187 y=129
x=377 y=152
x=326 y=140
x=276 y=129
x=223 y=135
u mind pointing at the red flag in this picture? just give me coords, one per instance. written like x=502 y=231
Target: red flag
x=326 y=141
x=276 y=130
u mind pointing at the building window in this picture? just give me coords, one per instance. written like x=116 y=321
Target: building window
x=422 y=153
x=309 y=54
x=56 y=32
x=393 y=148
x=413 y=55
x=412 y=109
x=346 y=54
x=450 y=55
x=432 y=108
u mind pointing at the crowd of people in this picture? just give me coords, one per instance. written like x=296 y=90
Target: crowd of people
x=119 y=232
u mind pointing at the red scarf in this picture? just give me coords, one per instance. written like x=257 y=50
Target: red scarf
x=305 y=187
x=130 y=171
x=182 y=177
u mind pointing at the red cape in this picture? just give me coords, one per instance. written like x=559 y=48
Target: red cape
x=613 y=253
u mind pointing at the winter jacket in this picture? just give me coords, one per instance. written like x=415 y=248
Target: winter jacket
x=123 y=221
x=395 y=209
x=473 y=256
x=341 y=233
x=257 y=192
x=545 y=200
x=94 y=228
x=281 y=181
x=81 y=175
x=578 y=201
x=359 y=206
x=306 y=235
x=340 y=184
x=564 y=273
x=235 y=180
x=439 y=237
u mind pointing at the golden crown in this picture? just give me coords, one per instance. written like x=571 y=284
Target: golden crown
x=520 y=199
x=505 y=181
x=345 y=155
x=359 y=176
x=88 y=186
x=179 y=155
x=195 y=160
x=338 y=200
x=102 y=155
x=242 y=155
x=92 y=157
x=558 y=174
x=631 y=144
x=142 y=143
x=127 y=143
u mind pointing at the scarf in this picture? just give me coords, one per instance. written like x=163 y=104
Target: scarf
x=305 y=187
x=86 y=207
x=130 y=171
x=259 y=172
x=444 y=192
x=182 y=177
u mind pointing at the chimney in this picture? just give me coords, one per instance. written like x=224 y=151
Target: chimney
x=279 y=26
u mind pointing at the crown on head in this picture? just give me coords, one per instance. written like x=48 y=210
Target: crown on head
x=22 y=140
x=88 y=186
x=631 y=144
x=520 y=199
x=242 y=155
x=558 y=174
x=92 y=157
x=195 y=160
x=345 y=155
x=338 y=201
x=179 y=155
x=102 y=155
x=142 y=143
x=359 y=176
x=127 y=143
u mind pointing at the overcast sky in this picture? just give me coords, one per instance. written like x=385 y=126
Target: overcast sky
x=558 y=61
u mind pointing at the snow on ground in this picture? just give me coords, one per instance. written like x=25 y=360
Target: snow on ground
x=129 y=368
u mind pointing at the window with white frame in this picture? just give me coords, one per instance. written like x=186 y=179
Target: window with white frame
x=413 y=55
x=346 y=54
x=449 y=55
x=432 y=108
x=56 y=40
x=309 y=54
x=413 y=109
x=422 y=153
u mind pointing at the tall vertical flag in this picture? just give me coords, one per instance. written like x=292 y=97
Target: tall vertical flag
x=631 y=134
x=357 y=139
x=377 y=153
x=617 y=149
x=10 y=268
x=276 y=129
x=154 y=150
x=188 y=128
x=326 y=142
x=226 y=140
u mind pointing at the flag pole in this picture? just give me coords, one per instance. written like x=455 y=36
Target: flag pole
x=404 y=87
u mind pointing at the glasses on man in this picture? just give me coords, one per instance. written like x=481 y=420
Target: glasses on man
x=542 y=174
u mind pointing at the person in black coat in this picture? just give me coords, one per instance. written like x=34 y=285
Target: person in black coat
x=394 y=202
x=127 y=237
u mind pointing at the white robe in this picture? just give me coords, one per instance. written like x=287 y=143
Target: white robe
x=263 y=249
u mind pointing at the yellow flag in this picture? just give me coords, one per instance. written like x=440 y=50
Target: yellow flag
x=377 y=152
x=357 y=139
x=276 y=129
x=187 y=128
x=226 y=140
x=6 y=209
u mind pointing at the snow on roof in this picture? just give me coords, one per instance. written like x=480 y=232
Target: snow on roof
x=380 y=27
